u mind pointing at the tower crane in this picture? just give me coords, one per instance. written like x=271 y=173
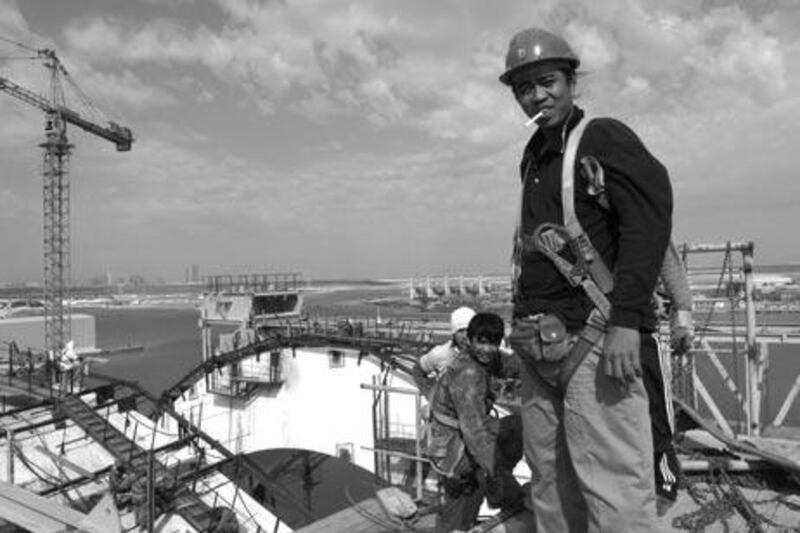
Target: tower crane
x=55 y=173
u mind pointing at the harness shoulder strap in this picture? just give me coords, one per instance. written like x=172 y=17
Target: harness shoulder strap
x=597 y=269
x=568 y=179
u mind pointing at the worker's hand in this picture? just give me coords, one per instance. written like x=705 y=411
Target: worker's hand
x=551 y=240
x=621 y=354
x=681 y=331
x=681 y=340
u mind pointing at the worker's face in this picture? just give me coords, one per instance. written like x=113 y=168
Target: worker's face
x=484 y=350
x=460 y=338
x=545 y=88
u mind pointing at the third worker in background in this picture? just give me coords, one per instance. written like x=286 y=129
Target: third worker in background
x=586 y=422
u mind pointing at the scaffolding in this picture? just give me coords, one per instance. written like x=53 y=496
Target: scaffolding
x=726 y=329
x=398 y=449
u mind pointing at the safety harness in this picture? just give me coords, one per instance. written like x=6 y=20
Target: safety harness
x=589 y=272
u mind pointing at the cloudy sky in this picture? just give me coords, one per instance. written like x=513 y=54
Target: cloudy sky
x=349 y=138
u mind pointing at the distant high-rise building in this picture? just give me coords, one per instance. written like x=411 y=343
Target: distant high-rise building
x=195 y=272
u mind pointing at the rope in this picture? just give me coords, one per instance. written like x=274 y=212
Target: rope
x=18 y=44
x=722 y=499
x=43 y=477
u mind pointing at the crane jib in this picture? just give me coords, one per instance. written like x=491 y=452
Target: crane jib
x=121 y=136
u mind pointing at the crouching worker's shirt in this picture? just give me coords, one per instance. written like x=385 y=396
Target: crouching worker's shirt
x=462 y=433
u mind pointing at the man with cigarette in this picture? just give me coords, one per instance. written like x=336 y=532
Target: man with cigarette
x=586 y=424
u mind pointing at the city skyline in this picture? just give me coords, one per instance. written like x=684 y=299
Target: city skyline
x=358 y=139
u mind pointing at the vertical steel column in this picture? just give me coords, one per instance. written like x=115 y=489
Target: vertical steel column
x=387 y=431
x=151 y=492
x=375 y=424
x=10 y=438
x=420 y=424
x=754 y=363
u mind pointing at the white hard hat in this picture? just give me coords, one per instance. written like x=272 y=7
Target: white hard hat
x=459 y=319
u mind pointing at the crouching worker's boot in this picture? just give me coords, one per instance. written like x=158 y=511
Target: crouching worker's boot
x=503 y=491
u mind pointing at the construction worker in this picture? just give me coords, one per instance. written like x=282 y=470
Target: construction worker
x=139 y=501
x=223 y=520
x=657 y=375
x=68 y=363
x=430 y=367
x=436 y=360
x=471 y=450
x=585 y=413
x=163 y=491
x=120 y=481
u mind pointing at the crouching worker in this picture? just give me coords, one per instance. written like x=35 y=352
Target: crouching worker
x=120 y=482
x=472 y=451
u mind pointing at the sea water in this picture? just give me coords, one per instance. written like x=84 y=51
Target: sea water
x=169 y=337
x=171 y=342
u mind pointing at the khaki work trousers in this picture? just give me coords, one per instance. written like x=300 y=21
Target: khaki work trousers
x=590 y=453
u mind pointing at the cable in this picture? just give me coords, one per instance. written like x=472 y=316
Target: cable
x=18 y=44
x=52 y=482
x=98 y=113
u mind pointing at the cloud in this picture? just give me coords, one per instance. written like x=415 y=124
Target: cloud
x=13 y=27
x=170 y=3
x=387 y=115
x=349 y=61
x=125 y=88
x=21 y=125
x=233 y=55
x=733 y=48
x=721 y=46
x=330 y=59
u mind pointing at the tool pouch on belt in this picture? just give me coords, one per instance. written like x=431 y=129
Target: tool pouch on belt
x=540 y=338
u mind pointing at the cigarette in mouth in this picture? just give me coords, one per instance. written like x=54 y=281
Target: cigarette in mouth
x=533 y=119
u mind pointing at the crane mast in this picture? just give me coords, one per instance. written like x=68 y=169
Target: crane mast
x=56 y=205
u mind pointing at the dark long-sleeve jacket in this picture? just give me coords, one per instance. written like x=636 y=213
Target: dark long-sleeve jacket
x=463 y=395
x=631 y=236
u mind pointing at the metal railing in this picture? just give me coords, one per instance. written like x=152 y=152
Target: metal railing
x=249 y=283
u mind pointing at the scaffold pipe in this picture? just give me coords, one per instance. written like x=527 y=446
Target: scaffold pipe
x=744 y=247
x=754 y=363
